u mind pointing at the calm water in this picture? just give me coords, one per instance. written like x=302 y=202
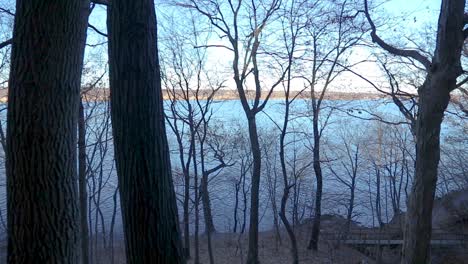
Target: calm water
x=228 y=120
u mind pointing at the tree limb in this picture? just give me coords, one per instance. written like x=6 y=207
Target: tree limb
x=6 y=43
x=97 y=30
x=4 y=10
x=213 y=46
x=395 y=51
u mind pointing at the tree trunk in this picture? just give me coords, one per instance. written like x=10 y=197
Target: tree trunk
x=244 y=202
x=433 y=100
x=287 y=225
x=378 y=206
x=252 y=256
x=186 y=213
x=82 y=185
x=185 y=165
x=148 y=202
x=313 y=243
x=44 y=92
x=205 y=196
x=236 y=205
x=195 y=186
x=209 y=227
x=349 y=216
x=287 y=186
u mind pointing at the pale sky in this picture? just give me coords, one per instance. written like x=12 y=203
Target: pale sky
x=405 y=18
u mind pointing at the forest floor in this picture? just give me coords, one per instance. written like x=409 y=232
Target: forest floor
x=231 y=248
x=450 y=213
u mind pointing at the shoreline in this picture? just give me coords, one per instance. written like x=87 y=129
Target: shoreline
x=102 y=94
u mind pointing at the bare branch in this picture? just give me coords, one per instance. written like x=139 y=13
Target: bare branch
x=213 y=46
x=4 y=10
x=6 y=43
x=97 y=30
x=97 y=44
x=372 y=116
x=462 y=82
x=393 y=50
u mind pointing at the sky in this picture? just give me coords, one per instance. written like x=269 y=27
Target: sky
x=403 y=19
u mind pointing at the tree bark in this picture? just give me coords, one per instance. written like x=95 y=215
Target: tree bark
x=82 y=184
x=148 y=201
x=434 y=97
x=44 y=86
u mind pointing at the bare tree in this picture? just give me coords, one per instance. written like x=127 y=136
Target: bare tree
x=245 y=41
x=243 y=157
x=434 y=96
x=270 y=170
x=347 y=171
x=332 y=34
x=185 y=158
x=292 y=27
x=191 y=91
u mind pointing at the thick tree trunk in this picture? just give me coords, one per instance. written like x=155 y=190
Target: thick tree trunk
x=82 y=185
x=433 y=100
x=418 y=225
x=44 y=92
x=252 y=255
x=148 y=201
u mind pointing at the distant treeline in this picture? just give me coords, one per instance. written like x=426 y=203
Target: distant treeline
x=102 y=94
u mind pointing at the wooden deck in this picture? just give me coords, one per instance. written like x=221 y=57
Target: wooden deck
x=393 y=237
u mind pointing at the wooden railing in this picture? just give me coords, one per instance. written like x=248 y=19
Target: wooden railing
x=392 y=237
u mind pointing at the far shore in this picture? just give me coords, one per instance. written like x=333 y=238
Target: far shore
x=102 y=94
